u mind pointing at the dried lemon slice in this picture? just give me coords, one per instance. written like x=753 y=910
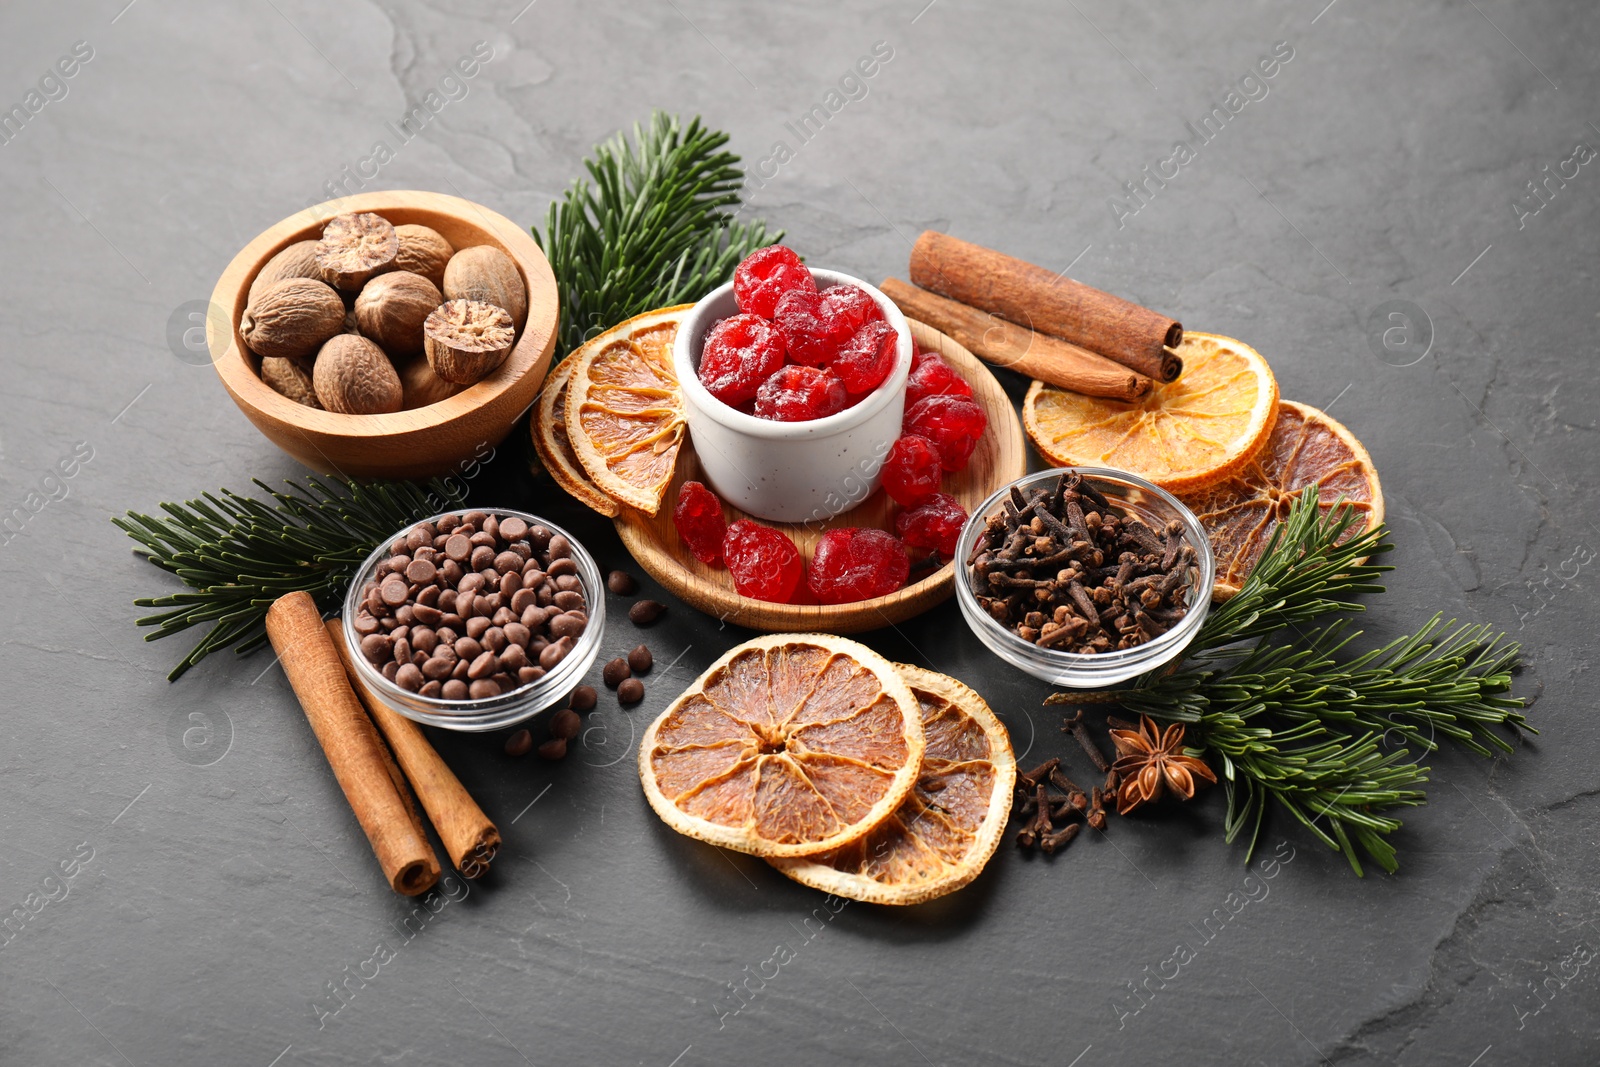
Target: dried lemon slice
x=945 y=831
x=625 y=410
x=789 y=745
x=550 y=440
x=1185 y=435
x=1307 y=447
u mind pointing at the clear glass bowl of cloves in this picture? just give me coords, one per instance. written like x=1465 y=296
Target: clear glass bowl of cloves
x=1084 y=577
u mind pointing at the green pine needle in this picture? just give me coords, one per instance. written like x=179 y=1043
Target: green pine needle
x=652 y=228
x=237 y=554
x=1327 y=737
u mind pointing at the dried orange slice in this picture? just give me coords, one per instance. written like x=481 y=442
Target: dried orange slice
x=789 y=745
x=1185 y=435
x=550 y=440
x=1307 y=447
x=943 y=834
x=624 y=408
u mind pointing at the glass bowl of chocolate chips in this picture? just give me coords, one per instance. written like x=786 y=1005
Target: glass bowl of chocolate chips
x=474 y=620
x=1084 y=577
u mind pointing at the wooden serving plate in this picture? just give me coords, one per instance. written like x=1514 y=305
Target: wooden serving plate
x=1000 y=458
x=440 y=438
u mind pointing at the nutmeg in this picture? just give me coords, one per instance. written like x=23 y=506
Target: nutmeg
x=291 y=318
x=421 y=387
x=288 y=377
x=352 y=376
x=485 y=273
x=424 y=251
x=354 y=248
x=466 y=339
x=299 y=260
x=392 y=308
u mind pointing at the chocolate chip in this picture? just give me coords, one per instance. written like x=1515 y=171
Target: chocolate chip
x=408 y=677
x=458 y=548
x=486 y=664
x=519 y=743
x=614 y=672
x=365 y=624
x=583 y=698
x=468 y=648
x=483 y=689
x=640 y=660
x=560 y=547
x=631 y=691
x=529 y=674
x=565 y=724
x=377 y=648
x=394 y=591
x=555 y=748
x=513 y=528
x=621 y=583
x=421 y=572
x=645 y=612
x=431 y=690
x=508 y=562
x=554 y=654
x=561 y=566
x=454 y=689
x=568 y=624
x=482 y=557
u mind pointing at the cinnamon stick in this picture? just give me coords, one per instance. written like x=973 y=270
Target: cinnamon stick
x=1048 y=302
x=469 y=837
x=311 y=661
x=1006 y=344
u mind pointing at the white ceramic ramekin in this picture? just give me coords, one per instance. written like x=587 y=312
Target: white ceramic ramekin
x=790 y=471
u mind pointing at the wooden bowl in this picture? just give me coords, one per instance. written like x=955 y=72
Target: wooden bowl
x=420 y=442
x=1000 y=458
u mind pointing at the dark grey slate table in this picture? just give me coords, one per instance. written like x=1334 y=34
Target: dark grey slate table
x=1384 y=167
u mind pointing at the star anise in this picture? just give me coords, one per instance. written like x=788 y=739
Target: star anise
x=1150 y=761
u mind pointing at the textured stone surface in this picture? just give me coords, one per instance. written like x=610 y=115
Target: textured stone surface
x=229 y=883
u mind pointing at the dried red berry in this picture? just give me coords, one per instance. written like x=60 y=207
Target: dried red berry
x=799 y=394
x=850 y=307
x=857 y=563
x=934 y=523
x=764 y=563
x=953 y=423
x=698 y=517
x=867 y=358
x=932 y=376
x=912 y=470
x=740 y=353
x=809 y=336
x=765 y=275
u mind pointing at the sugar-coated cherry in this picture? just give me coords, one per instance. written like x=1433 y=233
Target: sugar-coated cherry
x=850 y=307
x=809 y=336
x=932 y=376
x=698 y=517
x=764 y=563
x=911 y=470
x=867 y=358
x=934 y=523
x=953 y=423
x=857 y=563
x=740 y=353
x=765 y=275
x=799 y=394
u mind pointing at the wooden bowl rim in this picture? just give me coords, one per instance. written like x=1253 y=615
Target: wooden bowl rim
x=857 y=616
x=233 y=364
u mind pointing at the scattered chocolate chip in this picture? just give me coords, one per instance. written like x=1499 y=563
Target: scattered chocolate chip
x=583 y=698
x=622 y=583
x=519 y=743
x=645 y=612
x=565 y=724
x=631 y=691
x=555 y=748
x=616 y=672
x=640 y=660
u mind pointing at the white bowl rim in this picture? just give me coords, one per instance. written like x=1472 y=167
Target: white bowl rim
x=732 y=418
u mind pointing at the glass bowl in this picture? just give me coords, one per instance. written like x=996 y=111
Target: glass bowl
x=507 y=709
x=1131 y=495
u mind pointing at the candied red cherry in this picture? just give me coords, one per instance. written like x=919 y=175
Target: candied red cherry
x=799 y=394
x=932 y=376
x=857 y=563
x=867 y=358
x=934 y=523
x=740 y=353
x=850 y=307
x=953 y=423
x=765 y=275
x=911 y=470
x=764 y=563
x=808 y=336
x=698 y=517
